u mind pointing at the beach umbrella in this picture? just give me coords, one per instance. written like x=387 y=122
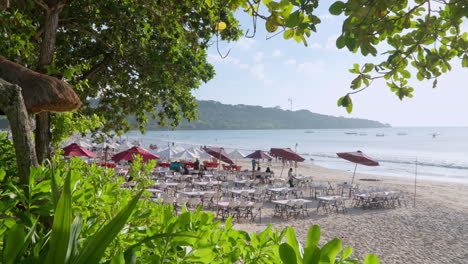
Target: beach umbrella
x=195 y=151
x=359 y=158
x=286 y=154
x=185 y=155
x=178 y=148
x=75 y=150
x=259 y=154
x=204 y=155
x=236 y=154
x=128 y=154
x=166 y=153
x=83 y=143
x=220 y=154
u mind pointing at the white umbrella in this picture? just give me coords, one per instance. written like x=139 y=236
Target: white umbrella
x=205 y=155
x=236 y=154
x=166 y=153
x=83 y=143
x=125 y=145
x=195 y=151
x=105 y=145
x=178 y=148
x=185 y=155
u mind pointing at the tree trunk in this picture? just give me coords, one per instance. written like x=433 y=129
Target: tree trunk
x=43 y=136
x=12 y=103
x=43 y=124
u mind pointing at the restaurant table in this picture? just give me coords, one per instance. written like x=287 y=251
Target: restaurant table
x=316 y=187
x=154 y=191
x=327 y=202
x=342 y=187
x=288 y=207
x=197 y=193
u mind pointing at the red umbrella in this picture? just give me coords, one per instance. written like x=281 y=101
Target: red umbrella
x=75 y=150
x=259 y=154
x=129 y=153
x=220 y=154
x=359 y=158
x=286 y=154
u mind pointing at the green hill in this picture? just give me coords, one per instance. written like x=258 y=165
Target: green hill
x=215 y=115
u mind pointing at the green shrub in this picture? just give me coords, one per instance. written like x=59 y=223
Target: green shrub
x=76 y=213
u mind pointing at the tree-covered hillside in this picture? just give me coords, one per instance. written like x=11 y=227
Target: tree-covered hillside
x=215 y=115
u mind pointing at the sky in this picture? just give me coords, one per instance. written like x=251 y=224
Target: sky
x=269 y=72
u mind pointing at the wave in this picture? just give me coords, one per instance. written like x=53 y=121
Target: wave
x=400 y=160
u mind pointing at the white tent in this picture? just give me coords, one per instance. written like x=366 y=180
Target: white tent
x=185 y=155
x=166 y=153
x=104 y=145
x=205 y=155
x=196 y=151
x=125 y=145
x=236 y=154
x=83 y=143
x=178 y=148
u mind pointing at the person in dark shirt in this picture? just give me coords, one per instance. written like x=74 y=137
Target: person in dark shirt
x=186 y=171
x=196 y=165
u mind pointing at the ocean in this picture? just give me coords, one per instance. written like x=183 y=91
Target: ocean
x=436 y=153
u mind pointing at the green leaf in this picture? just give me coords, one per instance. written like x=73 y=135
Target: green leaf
x=60 y=235
x=288 y=34
x=74 y=236
x=2 y=174
x=12 y=243
x=287 y=254
x=313 y=236
x=331 y=249
x=337 y=8
x=293 y=19
x=292 y=241
x=341 y=42
x=371 y=259
x=95 y=246
x=368 y=67
x=118 y=258
x=346 y=253
x=465 y=61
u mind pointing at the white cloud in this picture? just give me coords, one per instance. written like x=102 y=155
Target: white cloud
x=310 y=68
x=277 y=53
x=245 y=43
x=315 y=45
x=290 y=62
x=258 y=56
x=215 y=58
x=331 y=42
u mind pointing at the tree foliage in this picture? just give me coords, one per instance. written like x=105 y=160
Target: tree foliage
x=143 y=57
x=91 y=219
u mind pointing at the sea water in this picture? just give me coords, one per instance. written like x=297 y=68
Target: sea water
x=433 y=153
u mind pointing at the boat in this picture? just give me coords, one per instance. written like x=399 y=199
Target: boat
x=380 y=135
x=351 y=133
x=308 y=131
x=363 y=134
x=402 y=133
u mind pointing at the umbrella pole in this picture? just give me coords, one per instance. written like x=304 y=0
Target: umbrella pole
x=354 y=173
x=415 y=176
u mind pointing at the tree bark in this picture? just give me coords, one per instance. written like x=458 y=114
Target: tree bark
x=43 y=124
x=12 y=103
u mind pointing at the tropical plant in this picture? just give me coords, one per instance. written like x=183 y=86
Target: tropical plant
x=77 y=213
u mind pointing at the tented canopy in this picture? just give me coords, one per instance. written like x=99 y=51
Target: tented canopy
x=259 y=154
x=185 y=155
x=359 y=158
x=166 y=153
x=236 y=154
x=74 y=150
x=128 y=154
x=220 y=154
x=286 y=154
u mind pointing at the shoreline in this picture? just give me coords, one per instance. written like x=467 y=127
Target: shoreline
x=435 y=231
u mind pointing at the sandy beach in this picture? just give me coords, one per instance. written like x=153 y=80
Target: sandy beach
x=434 y=231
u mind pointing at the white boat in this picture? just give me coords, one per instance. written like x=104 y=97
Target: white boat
x=380 y=135
x=351 y=133
x=363 y=134
x=402 y=133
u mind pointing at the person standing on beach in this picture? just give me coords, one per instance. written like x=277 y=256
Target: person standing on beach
x=290 y=177
x=196 y=165
x=253 y=164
